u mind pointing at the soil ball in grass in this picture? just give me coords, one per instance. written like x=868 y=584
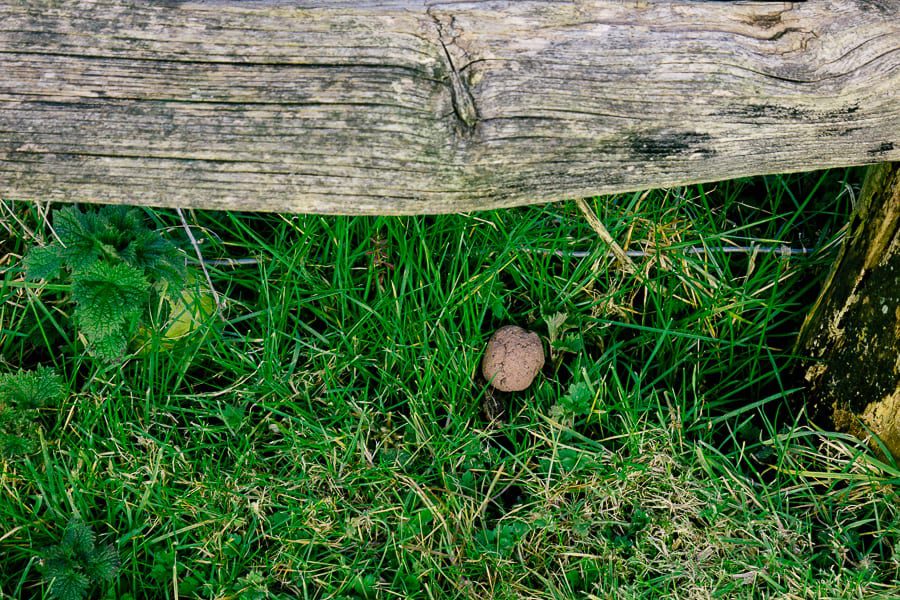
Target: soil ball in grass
x=513 y=358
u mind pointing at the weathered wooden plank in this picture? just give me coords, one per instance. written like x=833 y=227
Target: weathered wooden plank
x=853 y=331
x=403 y=107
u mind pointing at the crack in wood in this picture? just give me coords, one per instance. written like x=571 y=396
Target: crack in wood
x=461 y=95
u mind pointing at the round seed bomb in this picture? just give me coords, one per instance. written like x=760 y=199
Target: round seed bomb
x=512 y=359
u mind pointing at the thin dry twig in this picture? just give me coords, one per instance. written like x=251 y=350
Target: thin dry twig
x=196 y=246
x=604 y=235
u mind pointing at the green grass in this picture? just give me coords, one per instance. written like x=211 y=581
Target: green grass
x=324 y=438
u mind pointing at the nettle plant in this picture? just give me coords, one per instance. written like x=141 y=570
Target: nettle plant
x=115 y=265
x=77 y=563
x=22 y=396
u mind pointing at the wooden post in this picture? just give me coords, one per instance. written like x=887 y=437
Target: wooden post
x=853 y=331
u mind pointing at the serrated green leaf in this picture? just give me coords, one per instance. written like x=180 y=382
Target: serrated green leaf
x=103 y=564
x=43 y=262
x=116 y=229
x=31 y=389
x=569 y=343
x=79 y=538
x=109 y=348
x=116 y=219
x=70 y=567
x=578 y=399
x=76 y=231
x=108 y=297
x=68 y=585
x=153 y=253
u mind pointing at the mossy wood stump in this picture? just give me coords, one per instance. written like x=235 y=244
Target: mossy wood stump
x=853 y=331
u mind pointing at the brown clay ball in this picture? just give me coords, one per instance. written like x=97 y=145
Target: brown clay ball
x=513 y=358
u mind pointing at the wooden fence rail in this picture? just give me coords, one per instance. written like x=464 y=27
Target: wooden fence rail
x=392 y=107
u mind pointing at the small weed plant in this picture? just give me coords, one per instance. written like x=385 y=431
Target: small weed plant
x=112 y=260
x=22 y=396
x=77 y=564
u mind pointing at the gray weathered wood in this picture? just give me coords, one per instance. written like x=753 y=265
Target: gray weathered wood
x=406 y=107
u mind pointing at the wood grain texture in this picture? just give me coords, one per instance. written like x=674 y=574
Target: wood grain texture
x=417 y=107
